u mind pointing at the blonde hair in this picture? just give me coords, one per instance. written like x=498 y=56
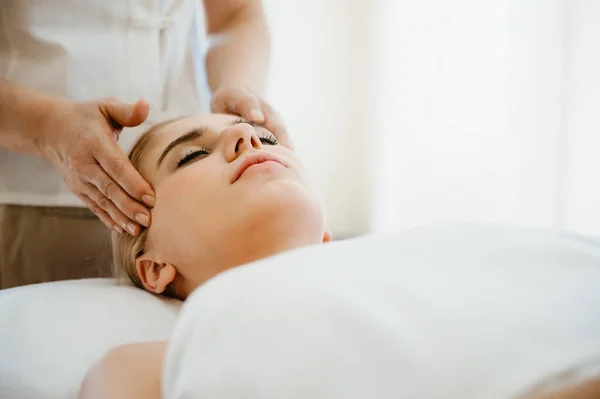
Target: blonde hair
x=127 y=248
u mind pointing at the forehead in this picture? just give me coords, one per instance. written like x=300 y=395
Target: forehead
x=169 y=132
x=164 y=135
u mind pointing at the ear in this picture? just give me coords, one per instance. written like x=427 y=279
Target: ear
x=155 y=276
x=326 y=236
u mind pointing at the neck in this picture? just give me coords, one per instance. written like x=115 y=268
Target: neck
x=247 y=251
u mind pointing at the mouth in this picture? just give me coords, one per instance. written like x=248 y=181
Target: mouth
x=254 y=159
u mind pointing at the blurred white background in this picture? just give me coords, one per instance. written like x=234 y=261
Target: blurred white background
x=418 y=112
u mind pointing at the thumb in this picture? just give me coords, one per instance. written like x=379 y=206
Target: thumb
x=128 y=115
x=239 y=101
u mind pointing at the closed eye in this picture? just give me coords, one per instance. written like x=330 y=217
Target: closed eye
x=268 y=138
x=265 y=136
x=192 y=155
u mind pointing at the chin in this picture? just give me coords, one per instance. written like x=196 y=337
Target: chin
x=287 y=209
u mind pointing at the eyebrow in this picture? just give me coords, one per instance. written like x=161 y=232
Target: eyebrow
x=193 y=134
x=196 y=133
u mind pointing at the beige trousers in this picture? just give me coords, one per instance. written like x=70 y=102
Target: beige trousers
x=40 y=244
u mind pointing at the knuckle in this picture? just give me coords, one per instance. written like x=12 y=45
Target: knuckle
x=104 y=183
x=71 y=160
x=87 y=189
x=117 y=166
x=111 y=189
x=103 y=202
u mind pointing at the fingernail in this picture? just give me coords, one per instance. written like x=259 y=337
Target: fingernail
x=131 y=228
x=148 y=200
x=257 y=115
x=142 y=218
x=118 y=229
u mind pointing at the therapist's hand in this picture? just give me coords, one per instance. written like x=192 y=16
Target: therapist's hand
x=241 y=101
x=80 y=140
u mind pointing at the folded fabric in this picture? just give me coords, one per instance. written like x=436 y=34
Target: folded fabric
x=453 y=312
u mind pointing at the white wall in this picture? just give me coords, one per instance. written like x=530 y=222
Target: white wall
x=471 y=112
x=418 y=112
x=581 y=167
x=320 y=80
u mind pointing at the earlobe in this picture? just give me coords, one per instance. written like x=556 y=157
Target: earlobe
x=155 y=276
x=327 y=237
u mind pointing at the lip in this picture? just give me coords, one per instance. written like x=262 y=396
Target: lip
x=253 y=159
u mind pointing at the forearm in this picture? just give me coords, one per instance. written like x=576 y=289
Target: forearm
x=240 y=50
x=21 y=116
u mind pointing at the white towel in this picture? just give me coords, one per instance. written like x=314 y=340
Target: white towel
x=457 y=312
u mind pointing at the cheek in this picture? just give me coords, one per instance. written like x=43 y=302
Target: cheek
x=288 y=156
x=188 y=195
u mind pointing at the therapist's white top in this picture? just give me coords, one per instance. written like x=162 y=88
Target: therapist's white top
x=92 y=49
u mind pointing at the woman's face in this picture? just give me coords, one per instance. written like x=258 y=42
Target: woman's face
x=226 y=194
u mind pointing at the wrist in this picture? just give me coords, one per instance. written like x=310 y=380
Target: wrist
x=27 y=117
x=41 y=112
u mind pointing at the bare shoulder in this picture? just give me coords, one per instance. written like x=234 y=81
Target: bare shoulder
x=127 y=371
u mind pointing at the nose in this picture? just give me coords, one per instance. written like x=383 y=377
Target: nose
x=238 y=139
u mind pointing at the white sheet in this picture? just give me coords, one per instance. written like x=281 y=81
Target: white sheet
x=467 y=312
x=50 y=334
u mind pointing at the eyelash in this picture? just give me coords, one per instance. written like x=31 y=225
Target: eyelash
x=192 y=154
x=267 y=138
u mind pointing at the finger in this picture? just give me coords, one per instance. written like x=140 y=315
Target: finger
x=102 y=215
x=239 y=101
x=119 y=168
x=275 y=124
x=128 y=115
x=110 y=191
x=107 y=205
x=222 y=98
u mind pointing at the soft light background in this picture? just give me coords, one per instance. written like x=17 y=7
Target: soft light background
x=418 y=112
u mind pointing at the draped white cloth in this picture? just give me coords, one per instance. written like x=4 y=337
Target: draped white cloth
x=462 y=312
